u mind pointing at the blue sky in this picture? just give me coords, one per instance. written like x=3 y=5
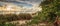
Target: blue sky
x=22 y=4
x=25 y=3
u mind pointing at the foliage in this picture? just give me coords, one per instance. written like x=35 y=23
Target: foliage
x=50 y=10
x=14 y=17
x=4 y=24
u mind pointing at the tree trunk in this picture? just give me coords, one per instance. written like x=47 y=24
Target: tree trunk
x=56 y=22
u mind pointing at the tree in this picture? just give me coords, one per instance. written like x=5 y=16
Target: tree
x=51 y=10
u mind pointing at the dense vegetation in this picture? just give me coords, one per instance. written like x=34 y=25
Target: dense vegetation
x=13 y=17
x=50 y=12
x=4 y=24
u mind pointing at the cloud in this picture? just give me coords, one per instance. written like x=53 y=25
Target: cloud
x=28 y=1
x=25 y=2
x=33 y=2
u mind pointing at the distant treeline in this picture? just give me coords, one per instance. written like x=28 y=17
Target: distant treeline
x=14 y=17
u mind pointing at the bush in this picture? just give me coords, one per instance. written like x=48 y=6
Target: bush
x=14 y=17
x=4 y=24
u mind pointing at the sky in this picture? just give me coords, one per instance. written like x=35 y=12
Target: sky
x=25 y=3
